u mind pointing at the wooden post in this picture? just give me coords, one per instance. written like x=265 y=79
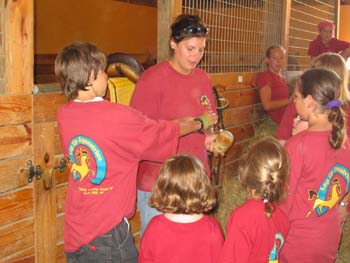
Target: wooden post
x=167 y=12
x=19 y=49
x=285 y=28
x=336 y=18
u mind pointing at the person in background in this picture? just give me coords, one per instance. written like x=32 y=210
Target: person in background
x=183 y=192
x=291 y=123
x=325 y=42
x=273 y=90
x=104 y=143
x=171 y=89
x=319 y=174
x=256 y=230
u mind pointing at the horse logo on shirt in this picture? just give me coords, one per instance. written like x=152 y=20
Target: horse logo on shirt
x=330 y=191
x=277 y=245
x=204 y=101
x=82 y=168
x=82 y=152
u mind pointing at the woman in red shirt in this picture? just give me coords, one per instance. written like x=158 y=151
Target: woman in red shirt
x=325 y=42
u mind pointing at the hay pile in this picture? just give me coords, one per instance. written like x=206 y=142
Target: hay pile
x=231 y=195
x=344 y=251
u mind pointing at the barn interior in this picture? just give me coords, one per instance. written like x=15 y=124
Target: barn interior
x=34 y=182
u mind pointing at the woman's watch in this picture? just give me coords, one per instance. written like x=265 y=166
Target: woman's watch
x=200 y=122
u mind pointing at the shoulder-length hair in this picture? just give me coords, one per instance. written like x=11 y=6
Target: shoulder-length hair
x=183 y=187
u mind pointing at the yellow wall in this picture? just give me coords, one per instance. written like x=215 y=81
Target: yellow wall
x=113 y=26
x=344 y=23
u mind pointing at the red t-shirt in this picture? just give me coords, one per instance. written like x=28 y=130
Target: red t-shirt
x=319 y=179
x=285 y=128
x=163 y=93
x=105 y=143
x=316 y=47
x=165 y=241
x=279 y=91
x=252 y=237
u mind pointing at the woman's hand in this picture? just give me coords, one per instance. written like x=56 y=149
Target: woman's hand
x=209 y=144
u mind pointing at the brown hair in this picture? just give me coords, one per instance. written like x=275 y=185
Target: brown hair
x=323 y=86
x=186 y=26
x=183 y=187
x=74 y=64
x=264 y=170
x=336 y=63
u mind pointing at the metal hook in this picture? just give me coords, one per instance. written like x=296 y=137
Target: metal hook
x=60 y=167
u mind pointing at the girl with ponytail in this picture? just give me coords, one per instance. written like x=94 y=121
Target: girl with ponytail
x=319 y=170
x=256 y=230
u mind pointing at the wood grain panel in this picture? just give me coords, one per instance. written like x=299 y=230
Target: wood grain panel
x=240 y=115
x=15 y=140
x=59 y=228
x=230 y=80
x=46 y=106
x=22 y=257
x=44 y=79
x=60 y=255
x=13 y=174
x=17 y=239
x=15 y=109
x=242 y=132
x=242 y=97
x=19 y=46
x=16 y=206
x=45 y=212
x=58 y=148
x=61 y=191
x=135 y=227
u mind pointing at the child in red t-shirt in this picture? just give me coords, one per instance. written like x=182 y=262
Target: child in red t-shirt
x=183 y=233
x=256 y=231
x=325 y=42
x=319 y=177
x=292 y=124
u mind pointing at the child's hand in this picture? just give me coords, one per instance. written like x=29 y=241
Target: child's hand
x=299 y=125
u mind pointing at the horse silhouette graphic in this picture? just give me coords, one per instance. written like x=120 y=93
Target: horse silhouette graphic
x=81 y=168
x=321 y=204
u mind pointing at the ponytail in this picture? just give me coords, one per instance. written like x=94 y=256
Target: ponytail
x=337 y=118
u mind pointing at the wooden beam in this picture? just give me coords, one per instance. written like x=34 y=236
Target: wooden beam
x=336 y=18
x=285 y=29
x=167 y=12
x=19 y=49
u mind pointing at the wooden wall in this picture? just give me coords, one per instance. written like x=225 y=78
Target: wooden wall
x=243 y=115
x=344 y=25
x=112 y=25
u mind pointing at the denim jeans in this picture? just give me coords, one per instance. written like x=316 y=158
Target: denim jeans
x=117 y=246
x=146 y=212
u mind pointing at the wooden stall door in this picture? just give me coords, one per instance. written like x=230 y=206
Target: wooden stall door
x=30 y=216
x=50 y=190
